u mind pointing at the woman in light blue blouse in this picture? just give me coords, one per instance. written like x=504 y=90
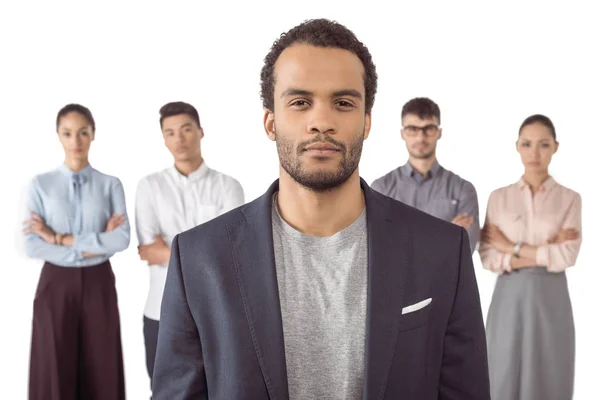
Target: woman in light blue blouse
x=76 y=221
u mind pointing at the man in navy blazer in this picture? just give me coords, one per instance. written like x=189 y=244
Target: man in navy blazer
x=321 y=288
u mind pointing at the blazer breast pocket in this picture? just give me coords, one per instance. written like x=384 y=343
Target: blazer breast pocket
x=415 y=315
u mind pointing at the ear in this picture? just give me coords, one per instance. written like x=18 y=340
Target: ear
x=367 y=126
x=269 y=124
x=440 y=133
x=556 y=147
x=402 y=135
x=201 y=133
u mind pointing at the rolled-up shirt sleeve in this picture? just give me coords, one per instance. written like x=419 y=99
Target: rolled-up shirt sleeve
x=560 y=256
x=492 y=259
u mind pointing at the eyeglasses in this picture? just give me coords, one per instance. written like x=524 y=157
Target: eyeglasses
x=428 y=130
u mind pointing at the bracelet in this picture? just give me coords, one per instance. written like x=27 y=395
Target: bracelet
x=517 y=249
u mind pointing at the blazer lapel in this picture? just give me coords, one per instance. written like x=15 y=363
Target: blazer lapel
x=388 y=262
x=252 y=244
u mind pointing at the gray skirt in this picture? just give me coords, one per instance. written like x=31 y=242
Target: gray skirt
x=531 y=337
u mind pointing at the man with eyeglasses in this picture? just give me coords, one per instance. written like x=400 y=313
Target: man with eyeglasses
x=422 y=182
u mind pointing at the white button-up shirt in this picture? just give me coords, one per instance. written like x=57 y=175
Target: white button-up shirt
x=168 y=203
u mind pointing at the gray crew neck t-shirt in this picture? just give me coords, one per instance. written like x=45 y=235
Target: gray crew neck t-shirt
x=323 y=294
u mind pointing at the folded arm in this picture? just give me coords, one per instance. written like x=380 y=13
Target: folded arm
x=492 y=259
x=469 y=205
x=152 y=247
x=108 y=242
x=559 y=253
x=559 y=256
x=34 y=244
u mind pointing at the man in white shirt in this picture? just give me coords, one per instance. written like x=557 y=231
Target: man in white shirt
x=176 y=199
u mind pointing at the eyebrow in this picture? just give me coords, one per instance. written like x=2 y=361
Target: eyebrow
x=187 y=124
x=421 y=126
x=67 y=129
x=301 y=92
x=538 y=141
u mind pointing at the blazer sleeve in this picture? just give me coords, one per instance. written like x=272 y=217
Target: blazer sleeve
x=179 y=366
x=464 y=373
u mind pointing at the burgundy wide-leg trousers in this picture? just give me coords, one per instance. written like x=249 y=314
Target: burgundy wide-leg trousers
x=76 y=340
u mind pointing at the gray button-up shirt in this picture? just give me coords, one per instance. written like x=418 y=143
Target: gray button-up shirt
x=441 y=193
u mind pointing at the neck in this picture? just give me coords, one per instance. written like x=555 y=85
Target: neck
x=535 y=179
x=76 y=164
x=422 y=165
x=188 y=166
x=320 y=214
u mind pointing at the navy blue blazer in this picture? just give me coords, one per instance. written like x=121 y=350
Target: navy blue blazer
x=221 y=335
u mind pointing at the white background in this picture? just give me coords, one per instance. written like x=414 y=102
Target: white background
x=488 y=67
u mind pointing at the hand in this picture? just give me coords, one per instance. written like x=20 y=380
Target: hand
x=156 y=253
x=37 y=225
x=493 y=236
x=563 y=235
x=114 y=222
x=464 y=220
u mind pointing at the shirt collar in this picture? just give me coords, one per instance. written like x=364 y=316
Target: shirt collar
x=83 y=175
x=546 y=185
x=408 y=170
x=193 y=176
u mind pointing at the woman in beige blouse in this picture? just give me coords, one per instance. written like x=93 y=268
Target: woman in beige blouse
x=532 y=233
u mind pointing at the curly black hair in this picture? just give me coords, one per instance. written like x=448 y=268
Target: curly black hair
x=321 y=33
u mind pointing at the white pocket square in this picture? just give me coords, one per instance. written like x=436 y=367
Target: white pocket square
x=416 y=306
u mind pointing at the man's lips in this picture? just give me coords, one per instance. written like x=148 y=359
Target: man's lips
x=322 y=146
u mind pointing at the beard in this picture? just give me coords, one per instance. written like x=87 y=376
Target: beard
x=319 y=179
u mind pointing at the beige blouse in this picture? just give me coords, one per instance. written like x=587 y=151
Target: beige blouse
x=534 y=220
